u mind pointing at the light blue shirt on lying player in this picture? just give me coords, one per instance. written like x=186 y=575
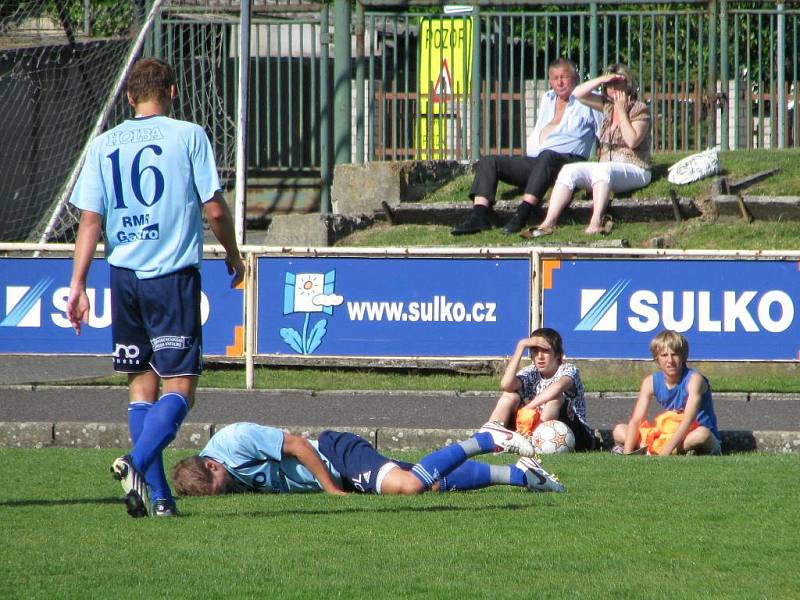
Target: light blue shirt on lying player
x=253 y=455
x=574 y=134
x=148 y=178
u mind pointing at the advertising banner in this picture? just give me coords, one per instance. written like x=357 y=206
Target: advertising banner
x=33 y=301
x=394 y=307
x=727 y=309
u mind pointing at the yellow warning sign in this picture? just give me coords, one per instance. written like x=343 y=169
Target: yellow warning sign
x=445 y=63
x=444 y=68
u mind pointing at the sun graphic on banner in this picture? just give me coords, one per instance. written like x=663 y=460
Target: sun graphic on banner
x=308 y=293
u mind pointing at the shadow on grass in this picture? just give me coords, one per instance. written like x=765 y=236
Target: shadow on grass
x=59 y=502
x=345 y=511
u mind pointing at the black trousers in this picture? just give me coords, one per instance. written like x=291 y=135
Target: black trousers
x=534 y=175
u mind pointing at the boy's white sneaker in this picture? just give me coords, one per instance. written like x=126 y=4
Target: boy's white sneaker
x=506 y=440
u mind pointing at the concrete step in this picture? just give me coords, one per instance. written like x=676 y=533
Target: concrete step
x=624 y=209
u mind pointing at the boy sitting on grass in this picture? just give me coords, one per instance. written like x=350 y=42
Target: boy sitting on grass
x=547 y=389
x=688 y=423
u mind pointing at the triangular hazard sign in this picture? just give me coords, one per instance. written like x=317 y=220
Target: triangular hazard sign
x=443 y=88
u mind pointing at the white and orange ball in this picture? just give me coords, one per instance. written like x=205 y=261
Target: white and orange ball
x=553 y=437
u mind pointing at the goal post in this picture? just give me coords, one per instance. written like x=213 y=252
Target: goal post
x=63 y=65
x=50 y=230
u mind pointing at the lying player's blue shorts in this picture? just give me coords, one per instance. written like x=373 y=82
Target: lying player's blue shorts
x=155 y=323
x=361 y=466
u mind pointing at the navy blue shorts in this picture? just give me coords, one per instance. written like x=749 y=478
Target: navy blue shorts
x=155 y=323
x=360 y=465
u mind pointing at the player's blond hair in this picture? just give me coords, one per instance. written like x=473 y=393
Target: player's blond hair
x=671 y=341
x=191 y=477
x=150 y=79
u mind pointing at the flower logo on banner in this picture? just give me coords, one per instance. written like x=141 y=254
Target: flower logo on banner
x=308 y=293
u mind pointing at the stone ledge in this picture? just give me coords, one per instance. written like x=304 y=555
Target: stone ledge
x=312 y=230
x=362 y=189
x=387 y=439
x=452 y=213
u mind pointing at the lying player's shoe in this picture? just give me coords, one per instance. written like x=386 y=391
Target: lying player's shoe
x=506 y=440
x=164 y=508
x=136 y=495
x=537 y=478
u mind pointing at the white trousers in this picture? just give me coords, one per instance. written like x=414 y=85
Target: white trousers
x=620 y=176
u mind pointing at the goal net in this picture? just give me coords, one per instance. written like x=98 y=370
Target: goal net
x=62 y=70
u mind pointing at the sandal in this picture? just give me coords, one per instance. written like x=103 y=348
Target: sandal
x=604 y=229
x=537 y=232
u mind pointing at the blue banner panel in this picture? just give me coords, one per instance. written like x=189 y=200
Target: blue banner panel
x=33 y=301
x=422 y=307
x=727 y=309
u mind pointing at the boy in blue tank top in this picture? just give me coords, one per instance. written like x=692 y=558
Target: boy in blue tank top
x=677 y=388
x=145 y=185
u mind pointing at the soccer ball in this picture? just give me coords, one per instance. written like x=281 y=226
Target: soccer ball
x=551 y=437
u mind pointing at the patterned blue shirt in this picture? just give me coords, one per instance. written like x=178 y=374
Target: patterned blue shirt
x=148 y=178
x=253 y=455
x=533 y=383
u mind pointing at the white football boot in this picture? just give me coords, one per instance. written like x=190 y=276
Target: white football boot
x=537 y=479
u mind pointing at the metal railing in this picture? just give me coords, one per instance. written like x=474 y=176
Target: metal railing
x=713 y=72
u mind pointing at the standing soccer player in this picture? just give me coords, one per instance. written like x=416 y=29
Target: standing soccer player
x=143 y=185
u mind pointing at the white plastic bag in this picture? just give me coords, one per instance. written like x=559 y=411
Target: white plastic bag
x=694 y=167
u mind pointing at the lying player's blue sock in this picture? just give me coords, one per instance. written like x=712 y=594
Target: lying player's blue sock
x=154 y=476
x=434 y=466
x=474 y=475
x=159 y=429
x=517 y=476
x=485 y=441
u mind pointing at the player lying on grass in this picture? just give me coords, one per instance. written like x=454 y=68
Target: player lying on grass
x=687 y=423
x=245 y=457
x=547 y=389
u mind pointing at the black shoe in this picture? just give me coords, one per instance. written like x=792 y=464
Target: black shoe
x=164 y=508
x=133 y=484
x=474 y=223
x=515 y=225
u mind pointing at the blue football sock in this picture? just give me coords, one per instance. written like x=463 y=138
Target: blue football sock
x=159 y=429
x=517 y=477
x=469 y=476
x=154 y=475
x=475 y=475
x=438 y=464
x=485 y=441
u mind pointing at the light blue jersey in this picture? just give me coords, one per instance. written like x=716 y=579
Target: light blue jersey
x=148 y=178
x=252 y=454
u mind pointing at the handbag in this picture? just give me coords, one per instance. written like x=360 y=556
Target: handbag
x=694 y=167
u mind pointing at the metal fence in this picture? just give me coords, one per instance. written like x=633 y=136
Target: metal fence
x=381 y=80
x=713 y=72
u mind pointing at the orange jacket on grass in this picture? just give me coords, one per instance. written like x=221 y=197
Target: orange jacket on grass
x=656 y=434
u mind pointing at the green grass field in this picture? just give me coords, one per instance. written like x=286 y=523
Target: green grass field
x=313 y=378
x=723 y=527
